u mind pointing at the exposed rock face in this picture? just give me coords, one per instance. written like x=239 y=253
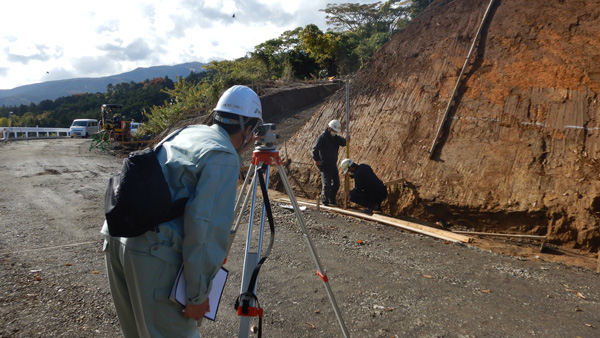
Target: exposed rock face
x=520 y=147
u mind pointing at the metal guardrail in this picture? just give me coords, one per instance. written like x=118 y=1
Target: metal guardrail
x=22 y=133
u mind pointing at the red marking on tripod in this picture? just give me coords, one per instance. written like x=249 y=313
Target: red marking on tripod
x=266 y=157
x=252 y=312
x=322 y=276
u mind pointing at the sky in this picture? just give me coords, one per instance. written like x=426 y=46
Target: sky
x=43 y=40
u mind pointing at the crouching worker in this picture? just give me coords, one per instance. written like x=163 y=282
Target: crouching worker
x=200 y=163
x=369 y=191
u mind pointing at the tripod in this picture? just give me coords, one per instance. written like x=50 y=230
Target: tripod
x=264 y=157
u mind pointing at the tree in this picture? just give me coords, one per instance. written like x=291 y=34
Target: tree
x=286 y=56
x=224 y=74
x=323 y=47
x=271 y=55
x=186 y=100
x=366 y=18
x=350 y=17
x=363 y=28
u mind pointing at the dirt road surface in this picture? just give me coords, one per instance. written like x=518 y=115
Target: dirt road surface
x=394 y=284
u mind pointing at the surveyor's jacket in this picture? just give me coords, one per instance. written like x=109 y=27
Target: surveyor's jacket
x=326 y=148
x=202 y=164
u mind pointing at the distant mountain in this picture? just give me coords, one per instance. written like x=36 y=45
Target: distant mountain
x=51 y=90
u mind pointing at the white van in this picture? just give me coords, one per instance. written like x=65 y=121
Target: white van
x=135 y=127
x=84 y=127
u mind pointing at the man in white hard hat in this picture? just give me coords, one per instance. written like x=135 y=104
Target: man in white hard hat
x=202 y=164
x=369 y=191
x=325 y=155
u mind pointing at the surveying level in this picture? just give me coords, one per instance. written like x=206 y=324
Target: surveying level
x=268 y=137
x=264 y=156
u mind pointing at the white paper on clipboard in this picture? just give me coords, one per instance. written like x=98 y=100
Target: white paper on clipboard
x=179 y=291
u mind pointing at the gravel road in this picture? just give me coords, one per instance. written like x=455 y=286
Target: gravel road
x=387 y=282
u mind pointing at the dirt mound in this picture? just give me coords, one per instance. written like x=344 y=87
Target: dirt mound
x=519 y=152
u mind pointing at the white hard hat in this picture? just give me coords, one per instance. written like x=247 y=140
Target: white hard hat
x=346 y=164
x=335 y=125
x=240 y=100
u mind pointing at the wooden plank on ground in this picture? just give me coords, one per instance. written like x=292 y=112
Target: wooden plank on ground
x=405 y=225
x=500 y=235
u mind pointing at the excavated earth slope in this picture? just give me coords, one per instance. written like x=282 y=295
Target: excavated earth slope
x=519 y=151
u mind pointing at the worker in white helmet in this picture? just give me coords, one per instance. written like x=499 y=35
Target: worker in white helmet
x=325 y=155
x=369 y=191
x=201 y=163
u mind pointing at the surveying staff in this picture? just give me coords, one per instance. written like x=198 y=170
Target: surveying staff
x=325 y=154
x=201 y=163
x=368 y=190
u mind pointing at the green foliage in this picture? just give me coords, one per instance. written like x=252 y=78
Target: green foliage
x=364 y=28
x=367 y=19
x=369 y=46
x=324 y=48
x=243 y=71
x=286 y=57
x=189 y=99
x=186 y=100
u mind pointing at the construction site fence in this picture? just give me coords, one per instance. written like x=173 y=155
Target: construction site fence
x=24 y=133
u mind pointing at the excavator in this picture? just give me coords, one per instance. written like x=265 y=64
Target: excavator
x=112 y=127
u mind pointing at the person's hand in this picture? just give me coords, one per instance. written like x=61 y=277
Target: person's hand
x=196 y=312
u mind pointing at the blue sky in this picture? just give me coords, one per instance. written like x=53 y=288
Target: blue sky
x=53 y=40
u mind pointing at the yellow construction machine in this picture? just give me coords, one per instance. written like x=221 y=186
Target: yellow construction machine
x=112 y=127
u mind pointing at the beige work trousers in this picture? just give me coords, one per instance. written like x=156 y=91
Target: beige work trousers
x=140 y=284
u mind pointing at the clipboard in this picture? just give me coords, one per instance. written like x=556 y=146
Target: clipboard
x=179 y=291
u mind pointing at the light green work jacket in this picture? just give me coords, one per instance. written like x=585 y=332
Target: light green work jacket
x=199 y=163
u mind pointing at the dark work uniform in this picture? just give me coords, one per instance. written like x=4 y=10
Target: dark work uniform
x=326 y=150
x=368 y=190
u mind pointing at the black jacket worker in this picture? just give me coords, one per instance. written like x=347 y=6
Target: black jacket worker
x=369 y=191
x=325 y=154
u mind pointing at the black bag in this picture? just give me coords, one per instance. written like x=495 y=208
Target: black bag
x=138 y=199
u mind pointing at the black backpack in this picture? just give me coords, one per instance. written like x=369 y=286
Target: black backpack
x=138 y=198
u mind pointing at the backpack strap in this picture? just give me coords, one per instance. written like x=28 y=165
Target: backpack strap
x=177 y=207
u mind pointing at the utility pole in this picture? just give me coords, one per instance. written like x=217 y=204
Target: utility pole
x=346 y=179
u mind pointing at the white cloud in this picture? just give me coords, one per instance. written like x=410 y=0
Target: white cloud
x=73 y=38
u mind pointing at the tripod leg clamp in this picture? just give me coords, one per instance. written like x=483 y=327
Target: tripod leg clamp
x=323 y=277
x=249 y=311
x=243 y=308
